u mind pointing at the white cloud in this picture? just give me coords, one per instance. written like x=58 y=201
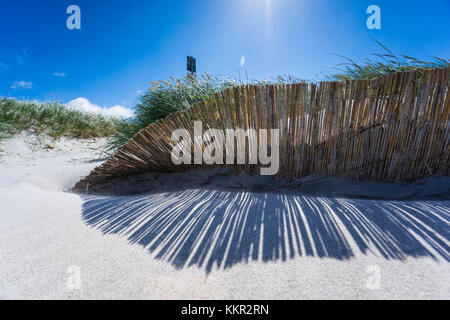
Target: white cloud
x=22 y=85
x=84 y=104
x=60 y=74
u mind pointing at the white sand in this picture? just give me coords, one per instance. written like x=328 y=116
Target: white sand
x=167 y=244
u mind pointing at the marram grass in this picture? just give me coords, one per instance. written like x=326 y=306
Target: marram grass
x=383 y=64
x=164 y=98
x=52 y=119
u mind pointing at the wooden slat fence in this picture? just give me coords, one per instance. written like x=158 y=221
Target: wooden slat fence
x=394 y=127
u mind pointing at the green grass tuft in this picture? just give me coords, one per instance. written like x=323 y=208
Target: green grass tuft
x=4 y=131
x=52 y=119
x=164 y=98
x=383 y=64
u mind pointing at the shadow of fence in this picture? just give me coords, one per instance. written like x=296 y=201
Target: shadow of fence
x=209 y=229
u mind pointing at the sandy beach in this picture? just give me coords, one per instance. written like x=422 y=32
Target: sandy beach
x=211 y=239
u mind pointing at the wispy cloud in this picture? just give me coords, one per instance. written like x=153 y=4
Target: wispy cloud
x=3 y=66
x=22 y=85
x=84 y=104
x=60 y=74
x=21 y=56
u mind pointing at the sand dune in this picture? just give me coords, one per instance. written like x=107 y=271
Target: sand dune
x=213 y=235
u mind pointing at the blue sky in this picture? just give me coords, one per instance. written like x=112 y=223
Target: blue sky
x=123 y=45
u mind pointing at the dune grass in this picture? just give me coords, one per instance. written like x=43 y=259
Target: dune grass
x=4 y=131
x=164 y=98
x=383 y=64
x=52 y=119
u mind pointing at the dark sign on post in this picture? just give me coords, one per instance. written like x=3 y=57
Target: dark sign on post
x=191 y=65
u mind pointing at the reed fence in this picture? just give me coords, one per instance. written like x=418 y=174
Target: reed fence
x=394 y=127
